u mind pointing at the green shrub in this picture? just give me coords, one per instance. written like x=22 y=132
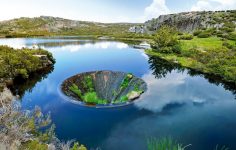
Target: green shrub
x=166 y=40
x=88 y=83
x=77 y=146
x=91 y=97
x=126 y=81
x=231 y=36
x=186 y=37
x=74 y=88
x=176 y=49
x=33 y=145
x=219 y=33
x=20 y=62
x=124 y=98
x=227 y=29
x=197 y=32
x=204 y=35
x=229 y=45
x=23 y=73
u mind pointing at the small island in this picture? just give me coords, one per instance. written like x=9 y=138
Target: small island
x=104 y=88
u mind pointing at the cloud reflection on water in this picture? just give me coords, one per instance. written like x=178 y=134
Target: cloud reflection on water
x=178 y=88
x=97 y=45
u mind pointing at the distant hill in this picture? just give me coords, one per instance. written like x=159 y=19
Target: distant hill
x=46 y=25
x=190 y=21
x=184 y=22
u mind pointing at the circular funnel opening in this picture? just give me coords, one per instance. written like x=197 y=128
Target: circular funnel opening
x=104 y=88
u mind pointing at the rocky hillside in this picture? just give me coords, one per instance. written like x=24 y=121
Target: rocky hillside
x=190 y=21
x=46 y=25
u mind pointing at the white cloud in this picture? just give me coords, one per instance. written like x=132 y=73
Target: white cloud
x=155 y=9
x=214 y=5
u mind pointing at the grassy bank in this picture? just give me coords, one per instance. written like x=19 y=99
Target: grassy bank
x=208 y=55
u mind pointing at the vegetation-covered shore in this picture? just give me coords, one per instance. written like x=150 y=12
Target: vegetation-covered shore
x=211 y=55
x=28 y=129
x=22 y=62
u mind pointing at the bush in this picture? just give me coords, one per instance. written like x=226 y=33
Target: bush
x=186 y=37
x=74 y=88
x=166 y=39
x=204 y=35
x=21 y=62
x=31 y=130
x=231 y=36
x=91 y=97
x=219 y=33
x=197 y=32
x=228 y=45
x=227 y=29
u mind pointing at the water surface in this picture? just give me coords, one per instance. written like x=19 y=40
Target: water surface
x=191 y=108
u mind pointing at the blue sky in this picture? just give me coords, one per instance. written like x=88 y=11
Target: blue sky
x=106 y=10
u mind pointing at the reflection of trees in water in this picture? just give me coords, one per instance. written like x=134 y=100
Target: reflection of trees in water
x=215 y=80
x=20 y=86
x=161 y=68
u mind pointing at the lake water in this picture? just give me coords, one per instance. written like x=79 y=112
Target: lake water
x=187 y=106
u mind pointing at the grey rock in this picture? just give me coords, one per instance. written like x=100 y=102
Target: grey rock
x=187 y=21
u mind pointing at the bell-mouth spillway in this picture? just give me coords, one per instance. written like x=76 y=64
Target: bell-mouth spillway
x=104 y=88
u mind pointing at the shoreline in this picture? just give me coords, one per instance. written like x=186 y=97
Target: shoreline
x=175 y=59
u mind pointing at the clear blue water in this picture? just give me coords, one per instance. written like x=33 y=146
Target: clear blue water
x=187 y=106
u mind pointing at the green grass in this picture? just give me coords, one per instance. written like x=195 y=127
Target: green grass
x=126 y=81
x=91 y=97
x=123 y=99
x=202 y=43
x=88 y=83
x=74 y=88
x=163 y=144
x=208 y=55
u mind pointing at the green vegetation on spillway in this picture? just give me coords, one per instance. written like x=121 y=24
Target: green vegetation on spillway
x=91 y=97
x=211 y=55
x=21 y=62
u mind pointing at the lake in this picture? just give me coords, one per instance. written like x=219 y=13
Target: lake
x=190 y=107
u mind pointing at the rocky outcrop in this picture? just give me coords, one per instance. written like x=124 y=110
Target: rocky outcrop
x=108 y=85
x=188 y=21
x=46 y=62
x=6 y=96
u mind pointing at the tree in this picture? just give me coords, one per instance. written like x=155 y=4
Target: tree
x=166 y=40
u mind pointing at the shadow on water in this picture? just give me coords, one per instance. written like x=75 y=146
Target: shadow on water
x=161 y=68
x=20 y=85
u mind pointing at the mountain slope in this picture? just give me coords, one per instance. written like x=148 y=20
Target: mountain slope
x=190 y=21
x=45 y=25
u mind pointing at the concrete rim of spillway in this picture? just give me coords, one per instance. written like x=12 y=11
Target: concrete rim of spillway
x=104 y=83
